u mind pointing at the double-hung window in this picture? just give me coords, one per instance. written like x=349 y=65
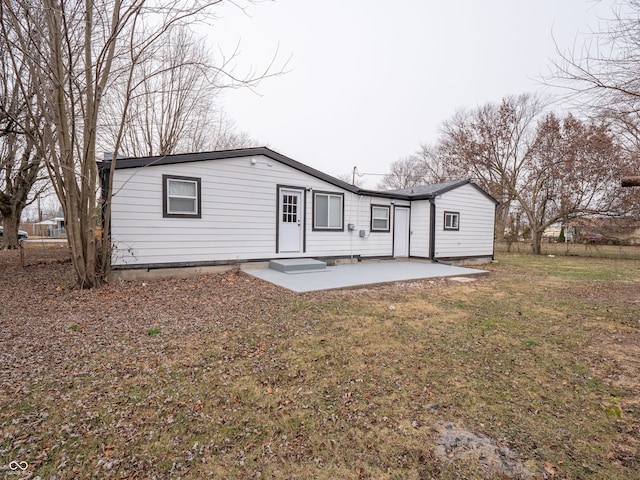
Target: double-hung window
x=451 y=221
x=328 y=211
x=181 y=197
x=380 y=218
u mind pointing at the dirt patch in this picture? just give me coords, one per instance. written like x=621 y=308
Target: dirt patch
x=462 y=279
x=456 y=443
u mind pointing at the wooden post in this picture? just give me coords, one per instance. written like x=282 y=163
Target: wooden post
x=631 y=181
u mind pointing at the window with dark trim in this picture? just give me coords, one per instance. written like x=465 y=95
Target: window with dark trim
x=451 y=220
x=181 y=197
x=380 y=218
x=328 y=211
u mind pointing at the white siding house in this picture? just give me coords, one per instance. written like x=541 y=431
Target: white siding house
x=254 y=204
x=471 y=234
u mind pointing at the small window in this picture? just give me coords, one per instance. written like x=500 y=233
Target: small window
x=180 y=197
x=328 y=211
x=380 y=218
x=451 y=221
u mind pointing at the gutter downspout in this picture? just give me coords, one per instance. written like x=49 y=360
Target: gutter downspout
x=432 y=229
x=493 y=253
x=104 y=174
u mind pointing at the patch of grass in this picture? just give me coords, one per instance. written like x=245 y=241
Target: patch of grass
x=152 y=332
x=629 y=252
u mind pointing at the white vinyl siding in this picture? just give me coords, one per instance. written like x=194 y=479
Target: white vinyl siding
x=239 y=216
x=239 y=213
x=476 y=214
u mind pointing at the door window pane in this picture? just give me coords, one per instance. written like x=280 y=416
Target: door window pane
x=289 y=208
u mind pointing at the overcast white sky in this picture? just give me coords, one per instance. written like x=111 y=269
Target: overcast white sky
x=370 y=80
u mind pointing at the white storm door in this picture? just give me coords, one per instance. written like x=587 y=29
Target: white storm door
x=290 y=221
x=401 y=232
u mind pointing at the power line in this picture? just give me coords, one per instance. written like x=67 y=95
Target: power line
x=359 y=174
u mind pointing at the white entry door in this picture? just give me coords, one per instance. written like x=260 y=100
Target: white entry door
x=290 y=221
x=401 y=232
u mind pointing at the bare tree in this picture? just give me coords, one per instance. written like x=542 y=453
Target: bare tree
x=223 y=134
x=87 y=45
x=574 y=171
x=543 y=170
x=433 y=166
x=602 y=73
x=354 y=178
x=492 y=145
x=174 y=108
x=404 y=173
x=424 y=167
x=21 y=158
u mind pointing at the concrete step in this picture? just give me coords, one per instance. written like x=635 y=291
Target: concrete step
x=297 y=265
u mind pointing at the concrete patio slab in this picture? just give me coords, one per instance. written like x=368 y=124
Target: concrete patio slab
x=364 y=273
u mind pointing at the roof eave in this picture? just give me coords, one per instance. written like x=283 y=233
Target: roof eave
x=141 y=162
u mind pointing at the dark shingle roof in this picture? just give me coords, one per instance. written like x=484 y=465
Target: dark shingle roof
x=430 y=190
x=420 y=192
x=413 y=193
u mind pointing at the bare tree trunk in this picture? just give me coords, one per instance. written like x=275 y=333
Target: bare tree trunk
x=631 y=181
x=11 y=222
x=502 y=216
x=536 y=241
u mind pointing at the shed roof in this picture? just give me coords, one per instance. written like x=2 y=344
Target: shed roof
x=433 y=190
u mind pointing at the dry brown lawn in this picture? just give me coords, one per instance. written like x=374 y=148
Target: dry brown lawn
x=529 y=372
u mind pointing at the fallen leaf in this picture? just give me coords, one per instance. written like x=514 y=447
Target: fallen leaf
x=549 y=468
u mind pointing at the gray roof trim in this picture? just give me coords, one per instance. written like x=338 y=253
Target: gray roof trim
x=430 y=190
x=426 y=191
x=446 y=187
x=138 y=162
